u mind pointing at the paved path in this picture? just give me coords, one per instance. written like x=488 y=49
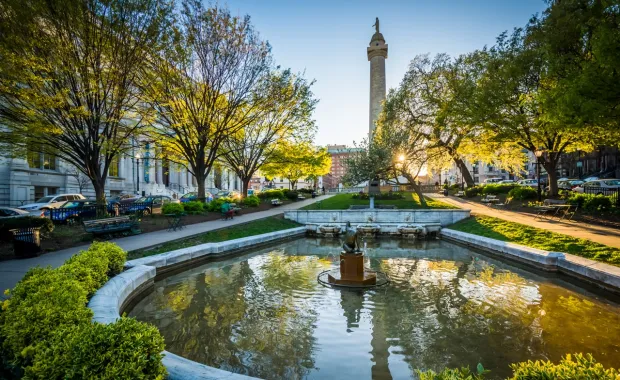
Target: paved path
x=603 y=235
x=13 y=270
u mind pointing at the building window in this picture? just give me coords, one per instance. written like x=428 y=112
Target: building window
x=40 y=157
x=42 y=191
x=113 y=169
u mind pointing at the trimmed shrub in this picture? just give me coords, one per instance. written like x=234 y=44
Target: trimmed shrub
x=591 y=202
x=570 y=367
x=455 y=187
x=46 y=328
x=7 y=224
x=194 y=207
x=251 y=201
x=497 y=189
x=271 y=194
x=522 y=193
x=216 y=204
x=172 y=208
x=291 y=194
x=452 y=374
x=471 y=192
x=126 y=349
x=305 y=190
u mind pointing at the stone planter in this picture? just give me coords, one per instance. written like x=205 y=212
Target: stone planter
x=368 y=229
x=329 y=230
x=411 y=230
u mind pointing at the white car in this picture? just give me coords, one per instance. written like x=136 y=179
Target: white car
x=492 y=180
x=506 y=182
x=599 y=185
x=10 y=212
x=528 y=182
x=51 y=201
x=590 y=179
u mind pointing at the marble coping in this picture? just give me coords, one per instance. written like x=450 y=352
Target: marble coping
x=603 y=275
x=444 y=217
x=110 y=299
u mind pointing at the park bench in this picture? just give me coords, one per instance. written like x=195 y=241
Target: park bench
x=505 y=204
x=300 y=197
x=556 y=207
x=109 y=226
x=276 y=202
x=460 y=194
x=490 y=200
x=175 y=221
x=236 y=210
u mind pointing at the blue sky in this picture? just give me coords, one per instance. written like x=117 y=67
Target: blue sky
x=328 y=40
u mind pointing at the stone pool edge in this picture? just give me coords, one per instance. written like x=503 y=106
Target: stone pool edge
x=600 y=274
x=112 y=298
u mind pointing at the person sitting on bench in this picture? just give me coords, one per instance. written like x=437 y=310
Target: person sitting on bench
x=227 y=211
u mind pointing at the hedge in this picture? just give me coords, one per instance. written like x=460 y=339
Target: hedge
x=497 y=189
x=390 y=195
x=271 y=194
x=251 y=201
x=570 y=367
x=7 y=224
x=291 y=194
x=194 y=207
x=46 y=328
x=522 y=193
x=216 y=204
x=591 y=202
x=173 y=208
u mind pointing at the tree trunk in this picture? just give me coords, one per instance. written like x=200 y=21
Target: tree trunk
x=552 y=176
x=467 y=177
x=217 y=177
x=418 y=191
x=245 y=184
x=200 y=181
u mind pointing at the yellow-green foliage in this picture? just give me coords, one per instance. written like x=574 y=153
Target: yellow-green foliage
x=194 y=206
x=571 y=367
x=172 y=208
x=451 y=374
x=252 y=201
x=127 y=349
x=46 y=328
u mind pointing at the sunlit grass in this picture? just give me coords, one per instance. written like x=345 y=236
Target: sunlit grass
x=343 y=201
x=537 y=238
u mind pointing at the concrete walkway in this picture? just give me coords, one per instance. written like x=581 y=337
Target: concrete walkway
x=13 y=270
x=603 y=235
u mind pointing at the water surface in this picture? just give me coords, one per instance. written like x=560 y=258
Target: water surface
x=263 y=314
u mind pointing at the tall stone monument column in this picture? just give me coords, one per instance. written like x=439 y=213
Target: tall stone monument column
x=377 y=52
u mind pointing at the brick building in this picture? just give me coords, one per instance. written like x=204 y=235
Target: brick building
x=339 y=155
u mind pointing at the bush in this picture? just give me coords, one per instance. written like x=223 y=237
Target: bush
x=291 y=194
x=194 y=207
x=306 y=190
x=172 y=208
x=497 y=189
x=251 y=201
x=471 y=192
x=7 y=224
x=271 y=194
x=46 y=328
x=216 y=204
x=455 y=187
x=126 y=349
x=590 y=202
x=570 y=367
x=453 y=374
x=522 y=193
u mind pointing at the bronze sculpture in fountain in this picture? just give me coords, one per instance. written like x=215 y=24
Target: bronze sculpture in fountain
x=352 y=272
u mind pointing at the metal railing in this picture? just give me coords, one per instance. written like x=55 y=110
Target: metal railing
x=72 y=215
x=614 y=194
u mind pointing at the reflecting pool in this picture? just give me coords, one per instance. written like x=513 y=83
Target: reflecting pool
x=264 y=314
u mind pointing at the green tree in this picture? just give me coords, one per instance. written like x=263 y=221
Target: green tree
x=207 y=86
x=69 y=76
x=287 y=115
x=297 y=160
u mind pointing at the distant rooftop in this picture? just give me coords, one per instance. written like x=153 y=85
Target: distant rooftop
x=333 y=149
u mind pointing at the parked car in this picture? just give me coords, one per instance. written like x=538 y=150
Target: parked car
x=569 y=184
x=528 y=182
x=73 y=211
x=506 y=182
x=589 y=179
x=51 y=201
x=123 y=199
x=228 y=194
x=492 y=180
x=189 y=197
x=601 y=183
x=151 y=204
x=10 y=212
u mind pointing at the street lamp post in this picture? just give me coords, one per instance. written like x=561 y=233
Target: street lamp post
x=474 y=166
x=538 y=153
x=138 y=173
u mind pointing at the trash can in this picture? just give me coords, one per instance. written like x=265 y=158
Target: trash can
x=314 y=194
x=445 y=192
x=27 y=242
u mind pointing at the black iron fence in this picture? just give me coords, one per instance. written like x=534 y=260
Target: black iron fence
x=613 y=193
x=90 y=212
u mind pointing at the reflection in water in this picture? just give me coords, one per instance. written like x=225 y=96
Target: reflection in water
x=264 y=314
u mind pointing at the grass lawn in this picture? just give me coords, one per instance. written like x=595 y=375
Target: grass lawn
x=256 y=227
x=343 y=201
x=537 y=238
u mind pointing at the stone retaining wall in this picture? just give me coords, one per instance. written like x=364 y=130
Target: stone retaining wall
x=444 y=217
x=109 y=301
x=603 y=275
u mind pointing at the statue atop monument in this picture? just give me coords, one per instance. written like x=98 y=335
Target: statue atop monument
x=351 y=243
x=376 y=25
